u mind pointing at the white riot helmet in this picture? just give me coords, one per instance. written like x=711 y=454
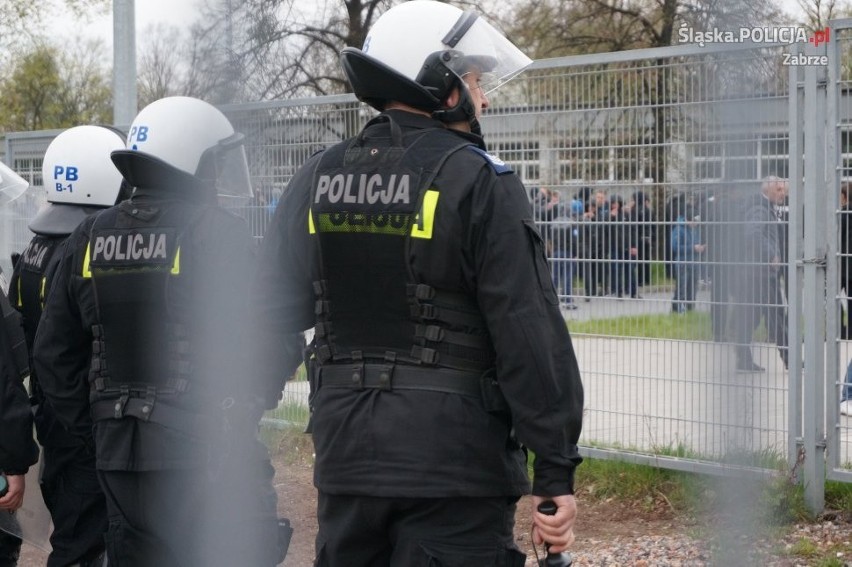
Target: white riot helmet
x=78 y=177
x=184 y=142
x=418 y=51
x=12 y=185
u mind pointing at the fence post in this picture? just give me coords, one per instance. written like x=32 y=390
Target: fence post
x=794 y=268
x=813 y=263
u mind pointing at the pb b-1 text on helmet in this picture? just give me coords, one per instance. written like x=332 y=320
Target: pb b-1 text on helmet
x=418 y=51
x=79 y=178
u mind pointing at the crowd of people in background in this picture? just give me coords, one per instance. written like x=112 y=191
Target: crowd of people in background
x=605 y=240
x=733 y=241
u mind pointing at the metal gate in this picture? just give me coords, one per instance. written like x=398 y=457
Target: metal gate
x=837 y=168
x=690 y=133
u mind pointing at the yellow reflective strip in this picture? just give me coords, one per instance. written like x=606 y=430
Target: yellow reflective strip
x=425 y=219
x=311 y=228
x=41 y=291
x=20 y=303
x=176 y=264
x=87 y=273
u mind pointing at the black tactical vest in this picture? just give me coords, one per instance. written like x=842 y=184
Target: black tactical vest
x=134 y=261
x=29 y=287
x=15 y=333
x=367 y=204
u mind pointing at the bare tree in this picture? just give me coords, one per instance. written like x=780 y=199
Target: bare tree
x=552 y=28
x=85 y=96
x=264 y=49
x=20 y=20
x=160 y=63
x=819 y=12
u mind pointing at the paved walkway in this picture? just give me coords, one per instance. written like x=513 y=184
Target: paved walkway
x=660 y=396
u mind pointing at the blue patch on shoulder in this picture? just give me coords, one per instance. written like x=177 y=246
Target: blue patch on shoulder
x=497 y=164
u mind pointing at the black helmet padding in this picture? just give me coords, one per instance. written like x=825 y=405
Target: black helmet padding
x=144 y=170
x=60 y=219
x=376 y=84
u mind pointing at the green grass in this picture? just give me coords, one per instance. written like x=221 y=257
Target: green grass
x=805 y=549
x=778 y=501
x=838 y=495
x=691 y=325
x=300 y=375
x=602 y=479
x=658 y=274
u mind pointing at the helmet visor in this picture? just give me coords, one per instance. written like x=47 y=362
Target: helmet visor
x=234 y=179
x=486 y=51
x=226 y=163
x=12 y=185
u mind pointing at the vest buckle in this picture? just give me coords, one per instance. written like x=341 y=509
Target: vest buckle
x=385 y=376
x=148 y=405
x=358 y=371
x=121 y=403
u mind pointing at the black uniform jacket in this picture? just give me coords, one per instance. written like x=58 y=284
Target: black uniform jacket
x=762 y=232
x=30 y=281
x=18 y=449
x=434 y=444
x=216 y=258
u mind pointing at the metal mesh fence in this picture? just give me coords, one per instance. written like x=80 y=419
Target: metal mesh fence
x=642 y=179
x=648 y=173
x=838 y=366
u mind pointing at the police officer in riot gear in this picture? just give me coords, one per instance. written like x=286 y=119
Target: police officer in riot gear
x=439 y=347
x=144 y=321
x=80 y=179
x=18 y=449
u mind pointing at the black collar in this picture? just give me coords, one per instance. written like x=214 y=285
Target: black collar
x=407 y=119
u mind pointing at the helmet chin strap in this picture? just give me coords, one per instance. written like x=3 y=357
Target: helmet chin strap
x=475 y=126
x=464 y=111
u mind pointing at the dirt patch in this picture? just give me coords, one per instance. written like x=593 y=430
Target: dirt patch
x=609 y=532
x=597 y=522
x=297 y=500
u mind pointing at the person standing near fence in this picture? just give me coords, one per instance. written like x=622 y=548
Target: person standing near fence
x=439 y=345
x=845 y=234
x=622 y=249
x=142 y=341
x=645 y=228
x=759 y=279
x=846 y=392
x=562 y=245
x=595 y=244
x=80 y=179
x=722 y=240
x=686 y=250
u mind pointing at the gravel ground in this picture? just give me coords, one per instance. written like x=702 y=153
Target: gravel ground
x=830 y=540
x=615 y=533
x=611 y=534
